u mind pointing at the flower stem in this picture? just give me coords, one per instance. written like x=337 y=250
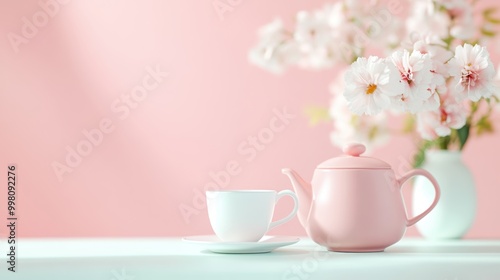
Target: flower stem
x=444 y=142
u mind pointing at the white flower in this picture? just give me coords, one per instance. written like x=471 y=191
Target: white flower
x=314 y=37
x=439 y=55
x=276 y=49
x=432 y=103
x=497 y=87
x=372 y=131
x=436 y=48
x=473 y=73
x=389 y=35
x=497 y=80
x=442 y=16
x=370 y=84
x=461 y=13
x=415 y=77
x=437 y=87
x=438 y=123
x=424 y=19
x=450 y=4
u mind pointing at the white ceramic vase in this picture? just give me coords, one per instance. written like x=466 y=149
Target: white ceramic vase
x=455 y=212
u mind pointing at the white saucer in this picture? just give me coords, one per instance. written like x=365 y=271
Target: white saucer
x=265 y=245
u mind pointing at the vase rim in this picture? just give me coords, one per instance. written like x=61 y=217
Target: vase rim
x=444 y=154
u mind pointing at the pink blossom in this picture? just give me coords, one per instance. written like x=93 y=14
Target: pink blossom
x=473 y=73
x=436 y=48
x=433 y=102
x=415 y=78
x=438 y=123
x=436 y=87
x=462 y=26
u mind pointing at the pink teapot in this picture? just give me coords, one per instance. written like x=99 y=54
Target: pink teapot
x=355 y=202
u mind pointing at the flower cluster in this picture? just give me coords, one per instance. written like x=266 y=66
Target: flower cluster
x=414 y=82
x=336 y=34
x=432 y=65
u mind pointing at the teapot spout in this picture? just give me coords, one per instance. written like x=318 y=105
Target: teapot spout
x=304 y=192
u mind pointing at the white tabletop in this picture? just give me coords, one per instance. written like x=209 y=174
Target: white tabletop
x=170 y=258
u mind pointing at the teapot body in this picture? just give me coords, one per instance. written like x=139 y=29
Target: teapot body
x=356 y=210
x=354 y=203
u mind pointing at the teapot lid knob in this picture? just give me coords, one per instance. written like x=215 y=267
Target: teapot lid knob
x=354 y=149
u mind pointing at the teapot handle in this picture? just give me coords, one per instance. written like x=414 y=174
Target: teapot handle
x=416 y=172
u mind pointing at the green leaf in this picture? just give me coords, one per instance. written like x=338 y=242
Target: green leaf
x=463 y=135
x=443 y=142
x=409 y=124
x=354 y=120
x=448 y=41
x=484 y=125
x=489 y=17
x=317 y=114
x=487 y=33
x=419 y=157
x=473 y=42
x=373 y=132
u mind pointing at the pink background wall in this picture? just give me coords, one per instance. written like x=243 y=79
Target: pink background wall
x=157 y=158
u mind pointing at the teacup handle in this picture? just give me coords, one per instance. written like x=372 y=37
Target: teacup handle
x=294 y=211
x=416 y=172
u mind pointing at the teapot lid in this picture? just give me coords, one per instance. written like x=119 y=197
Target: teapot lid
x=352 y=159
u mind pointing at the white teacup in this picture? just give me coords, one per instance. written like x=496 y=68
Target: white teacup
x=245 y=216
